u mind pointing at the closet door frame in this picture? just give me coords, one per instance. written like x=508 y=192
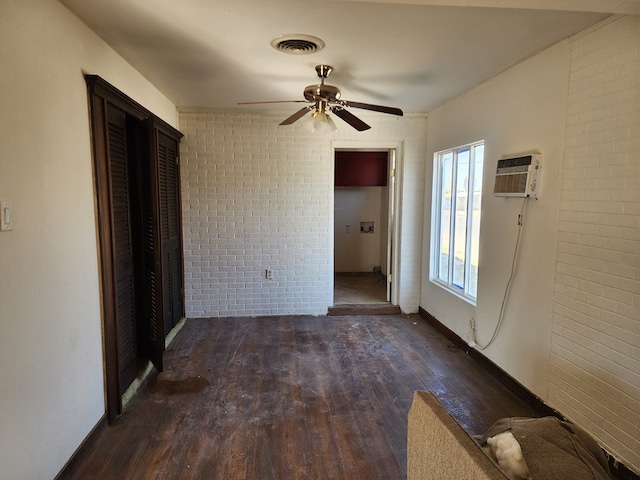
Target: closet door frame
x=101 y=94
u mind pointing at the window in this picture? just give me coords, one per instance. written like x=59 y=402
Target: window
x=455 y=229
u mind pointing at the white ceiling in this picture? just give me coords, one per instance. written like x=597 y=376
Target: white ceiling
x=411 y=54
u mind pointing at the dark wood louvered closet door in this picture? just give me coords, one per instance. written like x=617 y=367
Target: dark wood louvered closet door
x=123 y=254
x=151 y=329
x=168 y=179
x=139 y=232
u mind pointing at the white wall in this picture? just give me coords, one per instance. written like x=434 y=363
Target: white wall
x=522 y=110
x=259 y=196
x=355 y=251
x=595 y=359
x=51 y=370
x=572 y=324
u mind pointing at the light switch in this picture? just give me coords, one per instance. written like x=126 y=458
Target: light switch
x=6 y=216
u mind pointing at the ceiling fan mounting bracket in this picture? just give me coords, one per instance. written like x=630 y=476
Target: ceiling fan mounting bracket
x=324 y=71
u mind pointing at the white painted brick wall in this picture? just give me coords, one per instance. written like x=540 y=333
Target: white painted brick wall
x=259 y=196
x=595 y=358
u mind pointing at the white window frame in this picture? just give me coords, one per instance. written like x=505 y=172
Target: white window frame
x=465 y=291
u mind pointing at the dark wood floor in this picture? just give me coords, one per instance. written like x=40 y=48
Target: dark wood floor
x=292 y=398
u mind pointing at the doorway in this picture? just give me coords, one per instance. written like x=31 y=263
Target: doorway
x=364 y=225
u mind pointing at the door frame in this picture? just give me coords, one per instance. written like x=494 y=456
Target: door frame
x=397 y=149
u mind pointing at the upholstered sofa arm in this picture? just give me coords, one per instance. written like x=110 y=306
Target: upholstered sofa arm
x=439 y=448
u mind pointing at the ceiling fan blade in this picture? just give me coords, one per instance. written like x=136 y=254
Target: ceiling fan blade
x=275 y=101
x=296 y=116
x=351 y=119
x=375 y=108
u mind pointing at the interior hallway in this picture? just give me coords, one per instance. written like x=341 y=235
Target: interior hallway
x=291 y=398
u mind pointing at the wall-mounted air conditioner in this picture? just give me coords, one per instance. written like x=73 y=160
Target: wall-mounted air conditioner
x=518 y=176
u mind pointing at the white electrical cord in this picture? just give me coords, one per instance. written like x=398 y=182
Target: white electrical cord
x=474 y=343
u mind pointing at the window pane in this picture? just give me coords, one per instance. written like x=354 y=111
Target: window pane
x=460 y=219
x=475 y=220
x=456 y=219
x=445 y=215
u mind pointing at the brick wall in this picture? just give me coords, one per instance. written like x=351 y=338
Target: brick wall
x=259 y=196
x=595 y=358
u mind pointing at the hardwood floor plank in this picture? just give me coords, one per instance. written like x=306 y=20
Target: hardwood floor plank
x=380 y=422
x=292 y=398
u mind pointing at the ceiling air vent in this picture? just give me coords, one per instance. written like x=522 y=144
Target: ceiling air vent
x=297 y=44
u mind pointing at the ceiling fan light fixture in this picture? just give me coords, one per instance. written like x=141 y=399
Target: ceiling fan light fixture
x=297 y=44
x=319 y=121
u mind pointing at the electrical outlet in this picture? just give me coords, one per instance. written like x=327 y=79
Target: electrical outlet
x=472 y=322
x=268 y=274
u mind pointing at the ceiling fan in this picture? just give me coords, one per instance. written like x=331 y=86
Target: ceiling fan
x=323 y=98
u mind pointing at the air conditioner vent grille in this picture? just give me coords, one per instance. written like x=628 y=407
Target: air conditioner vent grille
x=518 y=176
